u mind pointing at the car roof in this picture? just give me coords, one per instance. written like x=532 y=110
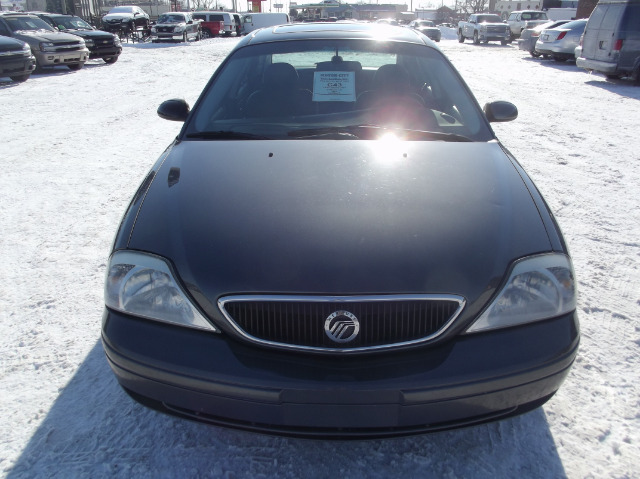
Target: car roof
x=336 y=30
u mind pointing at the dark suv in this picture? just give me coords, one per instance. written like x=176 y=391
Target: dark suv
x=50 y=47
x=101 y=44
x=16 y=60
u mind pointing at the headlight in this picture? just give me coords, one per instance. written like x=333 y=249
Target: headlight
x=539 y=287
x=178 y=29
x=144 y=285
x=483 y=28
x=88 y=42
x=26 y=48
x=116 y=41
x=47 y=47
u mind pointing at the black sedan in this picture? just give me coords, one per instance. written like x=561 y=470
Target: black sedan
x=337 y=245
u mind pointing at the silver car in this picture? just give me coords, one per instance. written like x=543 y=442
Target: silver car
x=560 y=42
x=529 y=36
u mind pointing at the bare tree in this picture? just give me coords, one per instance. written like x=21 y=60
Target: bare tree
x=472 y=6
x=204 y=4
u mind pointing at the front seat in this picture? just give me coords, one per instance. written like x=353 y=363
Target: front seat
x=392 y=101
x=279 y=94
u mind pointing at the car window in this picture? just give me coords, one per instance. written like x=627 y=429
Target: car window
x=27 y=23
x=573 y=25
x=597 y=15
x=171 y=18
x=631 y=18
x=489 y=19
x=271 y=89
x=610 y=19
x=74 y=23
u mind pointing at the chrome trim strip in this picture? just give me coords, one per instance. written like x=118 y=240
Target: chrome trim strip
x=339 y=300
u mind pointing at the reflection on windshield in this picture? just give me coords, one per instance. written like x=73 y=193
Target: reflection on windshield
x=337 y=89
x=170 y=19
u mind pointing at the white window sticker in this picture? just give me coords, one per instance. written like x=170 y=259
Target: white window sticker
x=334 y=86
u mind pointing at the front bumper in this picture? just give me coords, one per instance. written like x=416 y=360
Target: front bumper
x=102 y=52
x=51 y=59
x=493 y=37
x=213 y=378
x=18 y=66
x=158 y=37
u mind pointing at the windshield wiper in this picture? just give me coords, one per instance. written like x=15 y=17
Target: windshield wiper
x=226 y=135
x=336 y=132
x=373 y=132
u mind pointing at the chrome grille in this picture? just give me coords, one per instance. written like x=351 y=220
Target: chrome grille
x=298 y=322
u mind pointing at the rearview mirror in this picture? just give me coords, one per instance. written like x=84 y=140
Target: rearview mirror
x=498 y=111
x=175 y=110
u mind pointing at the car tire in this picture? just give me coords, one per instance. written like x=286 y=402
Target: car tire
x=476 y=39
x=185 y=39
x=206 y=33
x=559 y=59
x=75 y=66
x=20 y=78
x=460 y=37
x=535 y=54
x=198 y=36
x=110 y=60
x=504 y=42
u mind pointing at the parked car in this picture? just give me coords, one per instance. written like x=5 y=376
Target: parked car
x=523 y=19
x=529 y=36
x=228 y=20
x=209 y=26
x=101 y=44
x=50 y=47
x=254 y=21
x=16 y=60
x=428 y=28
x=176 y=27
x=126 y=18
x=560 y=43
x=336 y=244
x=483 y=27
x=611 y=43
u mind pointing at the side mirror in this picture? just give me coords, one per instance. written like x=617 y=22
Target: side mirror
x=174 y=110
x=498 y=111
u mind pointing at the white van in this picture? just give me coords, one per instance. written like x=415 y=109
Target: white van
x=611 y=41
x=253 y=21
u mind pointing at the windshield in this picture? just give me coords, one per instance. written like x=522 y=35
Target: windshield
x=171 y=18
x=534 y=16
x=489 y=19
x=273 y=90
x=71 y=23
x=426 y=23
x=27 y=23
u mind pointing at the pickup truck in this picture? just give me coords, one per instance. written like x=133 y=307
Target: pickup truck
x=484 y=27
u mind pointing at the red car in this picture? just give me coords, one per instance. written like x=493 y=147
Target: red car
x=211 y=25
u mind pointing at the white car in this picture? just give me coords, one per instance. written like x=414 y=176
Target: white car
x=522 y=19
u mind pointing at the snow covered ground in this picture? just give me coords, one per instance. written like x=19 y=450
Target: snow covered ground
x=74 y=147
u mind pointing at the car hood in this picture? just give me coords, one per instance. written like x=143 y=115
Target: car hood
x=90 y=33
x=45 y=36
x=338 y=217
